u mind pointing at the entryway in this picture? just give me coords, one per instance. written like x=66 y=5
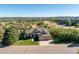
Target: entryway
x=36 y=37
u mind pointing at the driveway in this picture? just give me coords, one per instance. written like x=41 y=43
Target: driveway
x=45 y=43
x=51 y=49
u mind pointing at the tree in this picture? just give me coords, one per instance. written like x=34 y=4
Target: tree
x=69 y=23
x=40 y=23
x=45 y=25
x=10 y=36
x=22 y=35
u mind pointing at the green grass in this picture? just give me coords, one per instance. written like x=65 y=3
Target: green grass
x=26 y=42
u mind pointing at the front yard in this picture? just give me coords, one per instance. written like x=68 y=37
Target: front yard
x=26 y=42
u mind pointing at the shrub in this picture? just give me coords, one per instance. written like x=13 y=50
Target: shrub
x=10 y=36
x=65 y=34
x=77 y=25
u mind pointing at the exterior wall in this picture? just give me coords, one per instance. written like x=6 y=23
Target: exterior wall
x=41 y=38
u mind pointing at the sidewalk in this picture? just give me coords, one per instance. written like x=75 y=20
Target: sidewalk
x=43 y=48
x=54 y=49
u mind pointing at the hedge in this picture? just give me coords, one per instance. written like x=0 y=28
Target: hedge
x=64 y=35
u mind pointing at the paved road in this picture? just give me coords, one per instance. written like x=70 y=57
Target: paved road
x=54 y=49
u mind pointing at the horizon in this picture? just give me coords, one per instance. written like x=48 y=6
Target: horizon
x=39 y=10
x=39 y=16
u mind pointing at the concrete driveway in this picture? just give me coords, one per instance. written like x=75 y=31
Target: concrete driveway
x=53 y=49
x=45 y=43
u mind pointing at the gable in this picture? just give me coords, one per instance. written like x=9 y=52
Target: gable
x=36 y=31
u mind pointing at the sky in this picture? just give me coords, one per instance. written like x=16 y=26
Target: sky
x=38 y=10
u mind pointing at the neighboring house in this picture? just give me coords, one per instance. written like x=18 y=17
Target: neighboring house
x=38 y=34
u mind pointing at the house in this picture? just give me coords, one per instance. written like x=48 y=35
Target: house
x=38 y=34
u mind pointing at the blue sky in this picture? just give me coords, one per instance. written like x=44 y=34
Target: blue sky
x=39 y=10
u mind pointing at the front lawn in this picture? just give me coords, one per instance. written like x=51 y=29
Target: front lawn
x=26 y=42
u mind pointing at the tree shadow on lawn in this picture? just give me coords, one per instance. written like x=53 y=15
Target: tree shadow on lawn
x=69 y=44
x=73 y=45
x=57 y=42
x=1 y=46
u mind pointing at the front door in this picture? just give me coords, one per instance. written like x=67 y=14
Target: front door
x=36 y=37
